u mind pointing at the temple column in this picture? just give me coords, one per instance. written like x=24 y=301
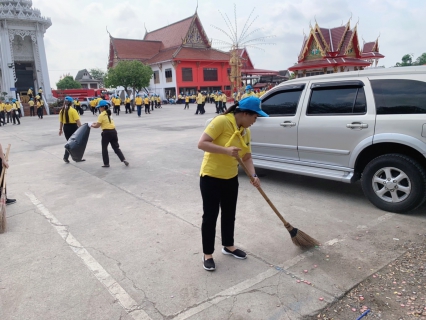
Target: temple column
x=8 y=77
x=42 y=71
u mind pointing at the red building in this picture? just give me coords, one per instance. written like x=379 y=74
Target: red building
x=334 y=50
x=181 y=58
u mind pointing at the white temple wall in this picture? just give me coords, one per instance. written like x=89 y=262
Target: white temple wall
x=159 y=88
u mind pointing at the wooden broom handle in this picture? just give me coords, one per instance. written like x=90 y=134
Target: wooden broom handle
x=3 y=172
x=262 y=192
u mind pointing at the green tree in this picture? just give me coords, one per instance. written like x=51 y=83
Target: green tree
x=406 y=60
x=420 y=61
x=67 y=82
x=98 y=74
x=129 y=74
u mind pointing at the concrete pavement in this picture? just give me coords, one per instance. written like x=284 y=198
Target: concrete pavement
x=85 y=242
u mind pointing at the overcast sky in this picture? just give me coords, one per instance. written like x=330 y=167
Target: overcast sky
x=78 y=38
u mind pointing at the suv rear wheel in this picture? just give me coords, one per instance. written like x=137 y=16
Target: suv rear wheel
x=395 y=183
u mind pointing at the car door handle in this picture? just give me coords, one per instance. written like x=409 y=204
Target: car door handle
x=288 y=124
x=357 y=125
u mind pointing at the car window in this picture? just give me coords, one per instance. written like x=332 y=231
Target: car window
x=399 y=96
x=335 y=101
x=282 y=103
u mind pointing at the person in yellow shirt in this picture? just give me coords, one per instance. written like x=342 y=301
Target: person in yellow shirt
x=69 y=121
x=93 y=105
x=8 y=108
x=159 y=101
x=186 y=102
x=31 y=103
x=117 y=104
x=127 y=104
x=224 y=139
x=14 y=112
x=146 y=103
x=139 y=103
x=39 y=108
x=204 y=101
x=224 y=98
x=216 y=101
x=199 y=101
x=249 y=92
x=40 y=92
x=30 y=93
x=2 y=115
x=152 y=99
x=77 y=106
x=109 y=133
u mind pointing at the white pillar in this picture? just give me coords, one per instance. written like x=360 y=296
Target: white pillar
x=7 y=63
x=43 y=75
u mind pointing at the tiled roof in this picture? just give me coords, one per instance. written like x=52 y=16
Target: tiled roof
x=171 y=35
x=163 y=55
x=202 y=54
x=135 y=49
x=368 y=47
x=345 y=43
x=81 y=73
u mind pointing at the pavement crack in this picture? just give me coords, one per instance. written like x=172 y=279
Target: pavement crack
x=17 y=214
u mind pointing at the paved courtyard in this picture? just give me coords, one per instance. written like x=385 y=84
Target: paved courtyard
x=85 y=242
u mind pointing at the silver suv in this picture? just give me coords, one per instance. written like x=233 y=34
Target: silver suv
x=368 y=125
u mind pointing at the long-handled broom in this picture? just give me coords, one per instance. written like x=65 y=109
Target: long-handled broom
x=298 y=237
x=3 y=195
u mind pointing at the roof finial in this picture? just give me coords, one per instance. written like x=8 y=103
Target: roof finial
x=108 y=31
x=363 y=41
x=315 y=18
x=310 y=25
x=196 y=8
x=146 y=31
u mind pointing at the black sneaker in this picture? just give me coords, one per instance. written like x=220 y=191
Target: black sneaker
x=237 y=253
x=66 y=160
x=12 y=201
x=209 y=264
x=126 y=163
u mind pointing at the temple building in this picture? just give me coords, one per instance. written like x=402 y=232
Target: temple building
x=181 y=57
x=335 y=50
x=23 y=58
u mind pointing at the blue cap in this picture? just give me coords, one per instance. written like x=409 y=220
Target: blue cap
x=249 y=87
x=69 y=99
x=102 y=103
x=252 y=104
x=13 y=100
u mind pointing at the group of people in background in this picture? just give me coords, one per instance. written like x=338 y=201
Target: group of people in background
x=10 y=111
x=36 y=103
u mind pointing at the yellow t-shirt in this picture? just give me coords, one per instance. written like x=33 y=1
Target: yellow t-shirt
x=146 y=100
x=187 y=99
x=2 y=106
x=38 y=104
x=117 y=102
x=14 y=106
x=8 y=107
x=138 y=101
x=31 y=103
x=93 y=103
x=72 y=116
x=216 y=97
x=200 y=99
x=245 y=95
x=40 y=91
x=224 y=98
x=30 y=91
x=127 y=100
x=103 y=120
x=222 y=129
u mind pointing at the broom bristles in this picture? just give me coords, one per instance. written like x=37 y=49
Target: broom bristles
x=303 y=240
x=3 y=223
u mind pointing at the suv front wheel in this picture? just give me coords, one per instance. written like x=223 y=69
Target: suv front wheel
x=395 y=183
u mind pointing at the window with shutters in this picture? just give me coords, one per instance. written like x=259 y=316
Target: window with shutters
x=187 y=74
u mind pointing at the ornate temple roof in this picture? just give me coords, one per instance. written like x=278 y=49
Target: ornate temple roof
x=22 y=10
x=339 y=46
x=185 y=39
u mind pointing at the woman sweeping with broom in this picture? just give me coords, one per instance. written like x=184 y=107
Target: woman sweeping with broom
x=224 y=140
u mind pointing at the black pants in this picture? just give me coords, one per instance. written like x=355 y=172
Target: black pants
x=186 y=105
x=40 y=112
x=152 y=105
x=128 y=109
x=8 y=116
x=117 y=110
x=40 y=94
x=69 y=129
x=147 y=108
x=203 y=111
x=15 y=116
x=217 y=106
x=217 y=193
x=2 y=117
x=32 y=113
x=93 y=110
x=110 y=136
x=199 y=109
